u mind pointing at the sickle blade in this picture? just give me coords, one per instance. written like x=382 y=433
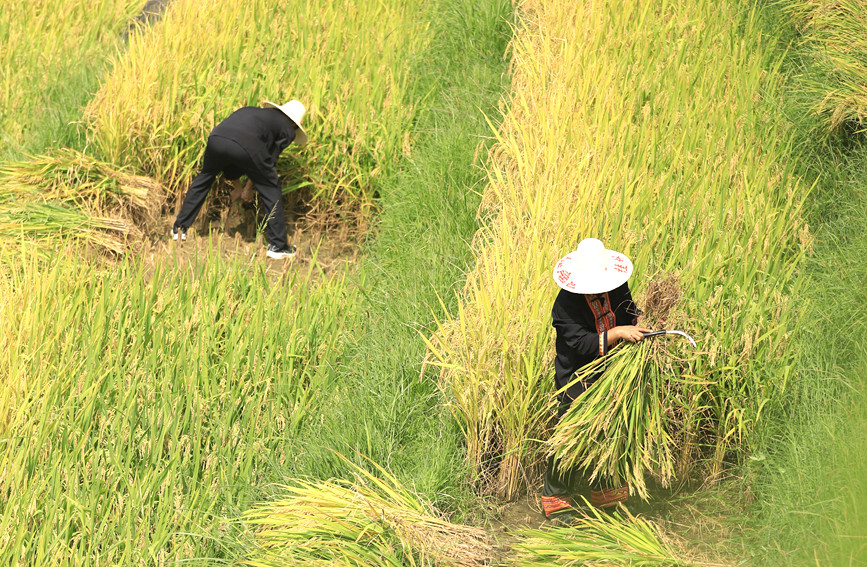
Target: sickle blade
x=666 y=332
x=682 y=334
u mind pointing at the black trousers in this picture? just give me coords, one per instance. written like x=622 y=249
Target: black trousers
x=560 y=481
x=226 y=156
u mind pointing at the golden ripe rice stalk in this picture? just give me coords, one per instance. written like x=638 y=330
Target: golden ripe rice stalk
x=597 y=540
x=619 y=427
x=373 y=520
x=833 y=31
x=72 y=178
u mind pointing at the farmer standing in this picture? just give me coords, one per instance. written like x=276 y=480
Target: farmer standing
x=593 y=311
x=249 y=142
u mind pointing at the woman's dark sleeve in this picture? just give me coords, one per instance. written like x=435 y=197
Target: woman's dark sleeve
x=580 y=340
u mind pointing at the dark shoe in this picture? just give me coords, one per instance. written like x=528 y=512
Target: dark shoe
x=276 y=254
x=179 y=231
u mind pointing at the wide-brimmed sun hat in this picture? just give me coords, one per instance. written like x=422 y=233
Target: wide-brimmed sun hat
x=295 y=111
x=592 y=268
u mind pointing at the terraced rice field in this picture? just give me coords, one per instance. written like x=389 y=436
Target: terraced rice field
x=386 y=397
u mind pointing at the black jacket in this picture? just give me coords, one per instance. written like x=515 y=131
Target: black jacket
x=263 y=132
x=577 y=335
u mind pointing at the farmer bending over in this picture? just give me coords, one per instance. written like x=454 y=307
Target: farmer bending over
x=249 y=142
x=593 y=312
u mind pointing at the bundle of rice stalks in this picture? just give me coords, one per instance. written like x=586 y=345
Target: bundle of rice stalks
x=47 y=221
x=601 y=539
x=834 y=33
x=619 y=428
x=69 y=193
x=74 y=178
x=372 y=521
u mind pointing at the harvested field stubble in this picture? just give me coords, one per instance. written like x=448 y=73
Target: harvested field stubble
x=642 y=124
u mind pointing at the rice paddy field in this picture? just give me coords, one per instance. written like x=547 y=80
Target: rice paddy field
x=387 y=396
x=53 y=54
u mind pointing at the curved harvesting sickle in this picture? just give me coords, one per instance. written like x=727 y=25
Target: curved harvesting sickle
x=681 y=333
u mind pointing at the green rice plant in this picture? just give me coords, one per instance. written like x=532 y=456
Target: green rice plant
x=372 y=521
x=53 y=52
x=643 y=125
x=598 y=539
x=347 y=62
x=69 y=194
x=833 y=37
x=140 y=404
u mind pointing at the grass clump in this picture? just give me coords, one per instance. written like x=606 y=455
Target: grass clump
x=644 y=125
x=372 y=521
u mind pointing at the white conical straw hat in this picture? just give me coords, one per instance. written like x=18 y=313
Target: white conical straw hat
x=295 y=111
x=592 y=268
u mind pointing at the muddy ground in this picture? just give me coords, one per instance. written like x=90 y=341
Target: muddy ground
x=233 y=228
